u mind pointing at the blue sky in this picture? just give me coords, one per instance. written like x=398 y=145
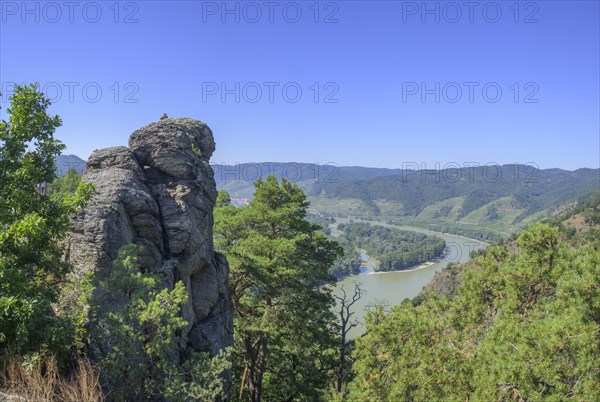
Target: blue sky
x=383 y=83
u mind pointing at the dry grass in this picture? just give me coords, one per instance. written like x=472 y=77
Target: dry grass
x=44 y=383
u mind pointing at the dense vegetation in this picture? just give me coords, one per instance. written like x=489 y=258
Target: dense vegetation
x=532 y=189
x=349 y=262
x=139 y=335
x=321 y=220
x=394 y=249
x=31 y=227
x=285 y=330
x=46 y=309
x=66 y=184
x=523 y=325
x=478 y=233
x=577 y=221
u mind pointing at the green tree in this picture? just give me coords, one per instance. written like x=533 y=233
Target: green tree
x=223 y=198
x=138 y=322
x=31 y=228
x=347 y=264
x=284 y=336
x=66 y=184
x=394 y=249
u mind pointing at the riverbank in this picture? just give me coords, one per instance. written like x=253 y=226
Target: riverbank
x=418 y=229
x=369 y=263
x=422 y=266
x=396 y=286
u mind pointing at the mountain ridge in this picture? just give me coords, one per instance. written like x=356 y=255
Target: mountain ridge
x=70 y=161
x=459 y=200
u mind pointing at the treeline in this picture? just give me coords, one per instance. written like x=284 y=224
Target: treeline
x=321 y=220
x=477 y=234
x=394 y=249
x=41 y=317
x=348 y=263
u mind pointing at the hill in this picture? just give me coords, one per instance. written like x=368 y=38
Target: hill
x=498 y=199
x=66 y=162
x=238 y=179
x=487 y=202
x=577 y=221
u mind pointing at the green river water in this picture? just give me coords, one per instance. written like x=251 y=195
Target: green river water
x=393 y=287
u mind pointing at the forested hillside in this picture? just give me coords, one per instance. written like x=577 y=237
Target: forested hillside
x=522 y=325
x=488 y=202
x=484 y=202
x=531 y=189
x=238 y=179
x=577 y=220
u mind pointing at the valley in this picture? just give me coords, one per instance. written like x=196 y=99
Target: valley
x=487 y=202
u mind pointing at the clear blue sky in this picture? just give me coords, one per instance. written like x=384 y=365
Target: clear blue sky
x=370 y=56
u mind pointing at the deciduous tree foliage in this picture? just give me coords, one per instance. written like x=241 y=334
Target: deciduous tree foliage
x=284 y=324
x=31 y=227
x=524 y=326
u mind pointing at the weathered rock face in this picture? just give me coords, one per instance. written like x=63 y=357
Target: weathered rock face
x=160 y=193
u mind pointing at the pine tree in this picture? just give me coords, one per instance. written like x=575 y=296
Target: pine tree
x=284 y=337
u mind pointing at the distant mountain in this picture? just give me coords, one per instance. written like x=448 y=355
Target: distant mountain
x=497 y=199
x=530 y=189
x=311 y=177
x=484 y=202
x=66 y=162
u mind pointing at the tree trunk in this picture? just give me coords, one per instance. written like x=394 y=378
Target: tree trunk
x=342 y=361
x=256 y=368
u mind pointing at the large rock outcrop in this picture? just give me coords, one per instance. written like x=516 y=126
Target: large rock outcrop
x=159 y=193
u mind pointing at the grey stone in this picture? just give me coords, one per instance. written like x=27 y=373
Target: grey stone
x=160 y=193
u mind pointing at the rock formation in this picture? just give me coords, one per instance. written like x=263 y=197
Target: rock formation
x=159 y=193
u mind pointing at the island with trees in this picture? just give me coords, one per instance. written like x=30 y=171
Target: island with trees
x=394 y=249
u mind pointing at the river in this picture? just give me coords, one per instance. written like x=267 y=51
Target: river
x=393 y=287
